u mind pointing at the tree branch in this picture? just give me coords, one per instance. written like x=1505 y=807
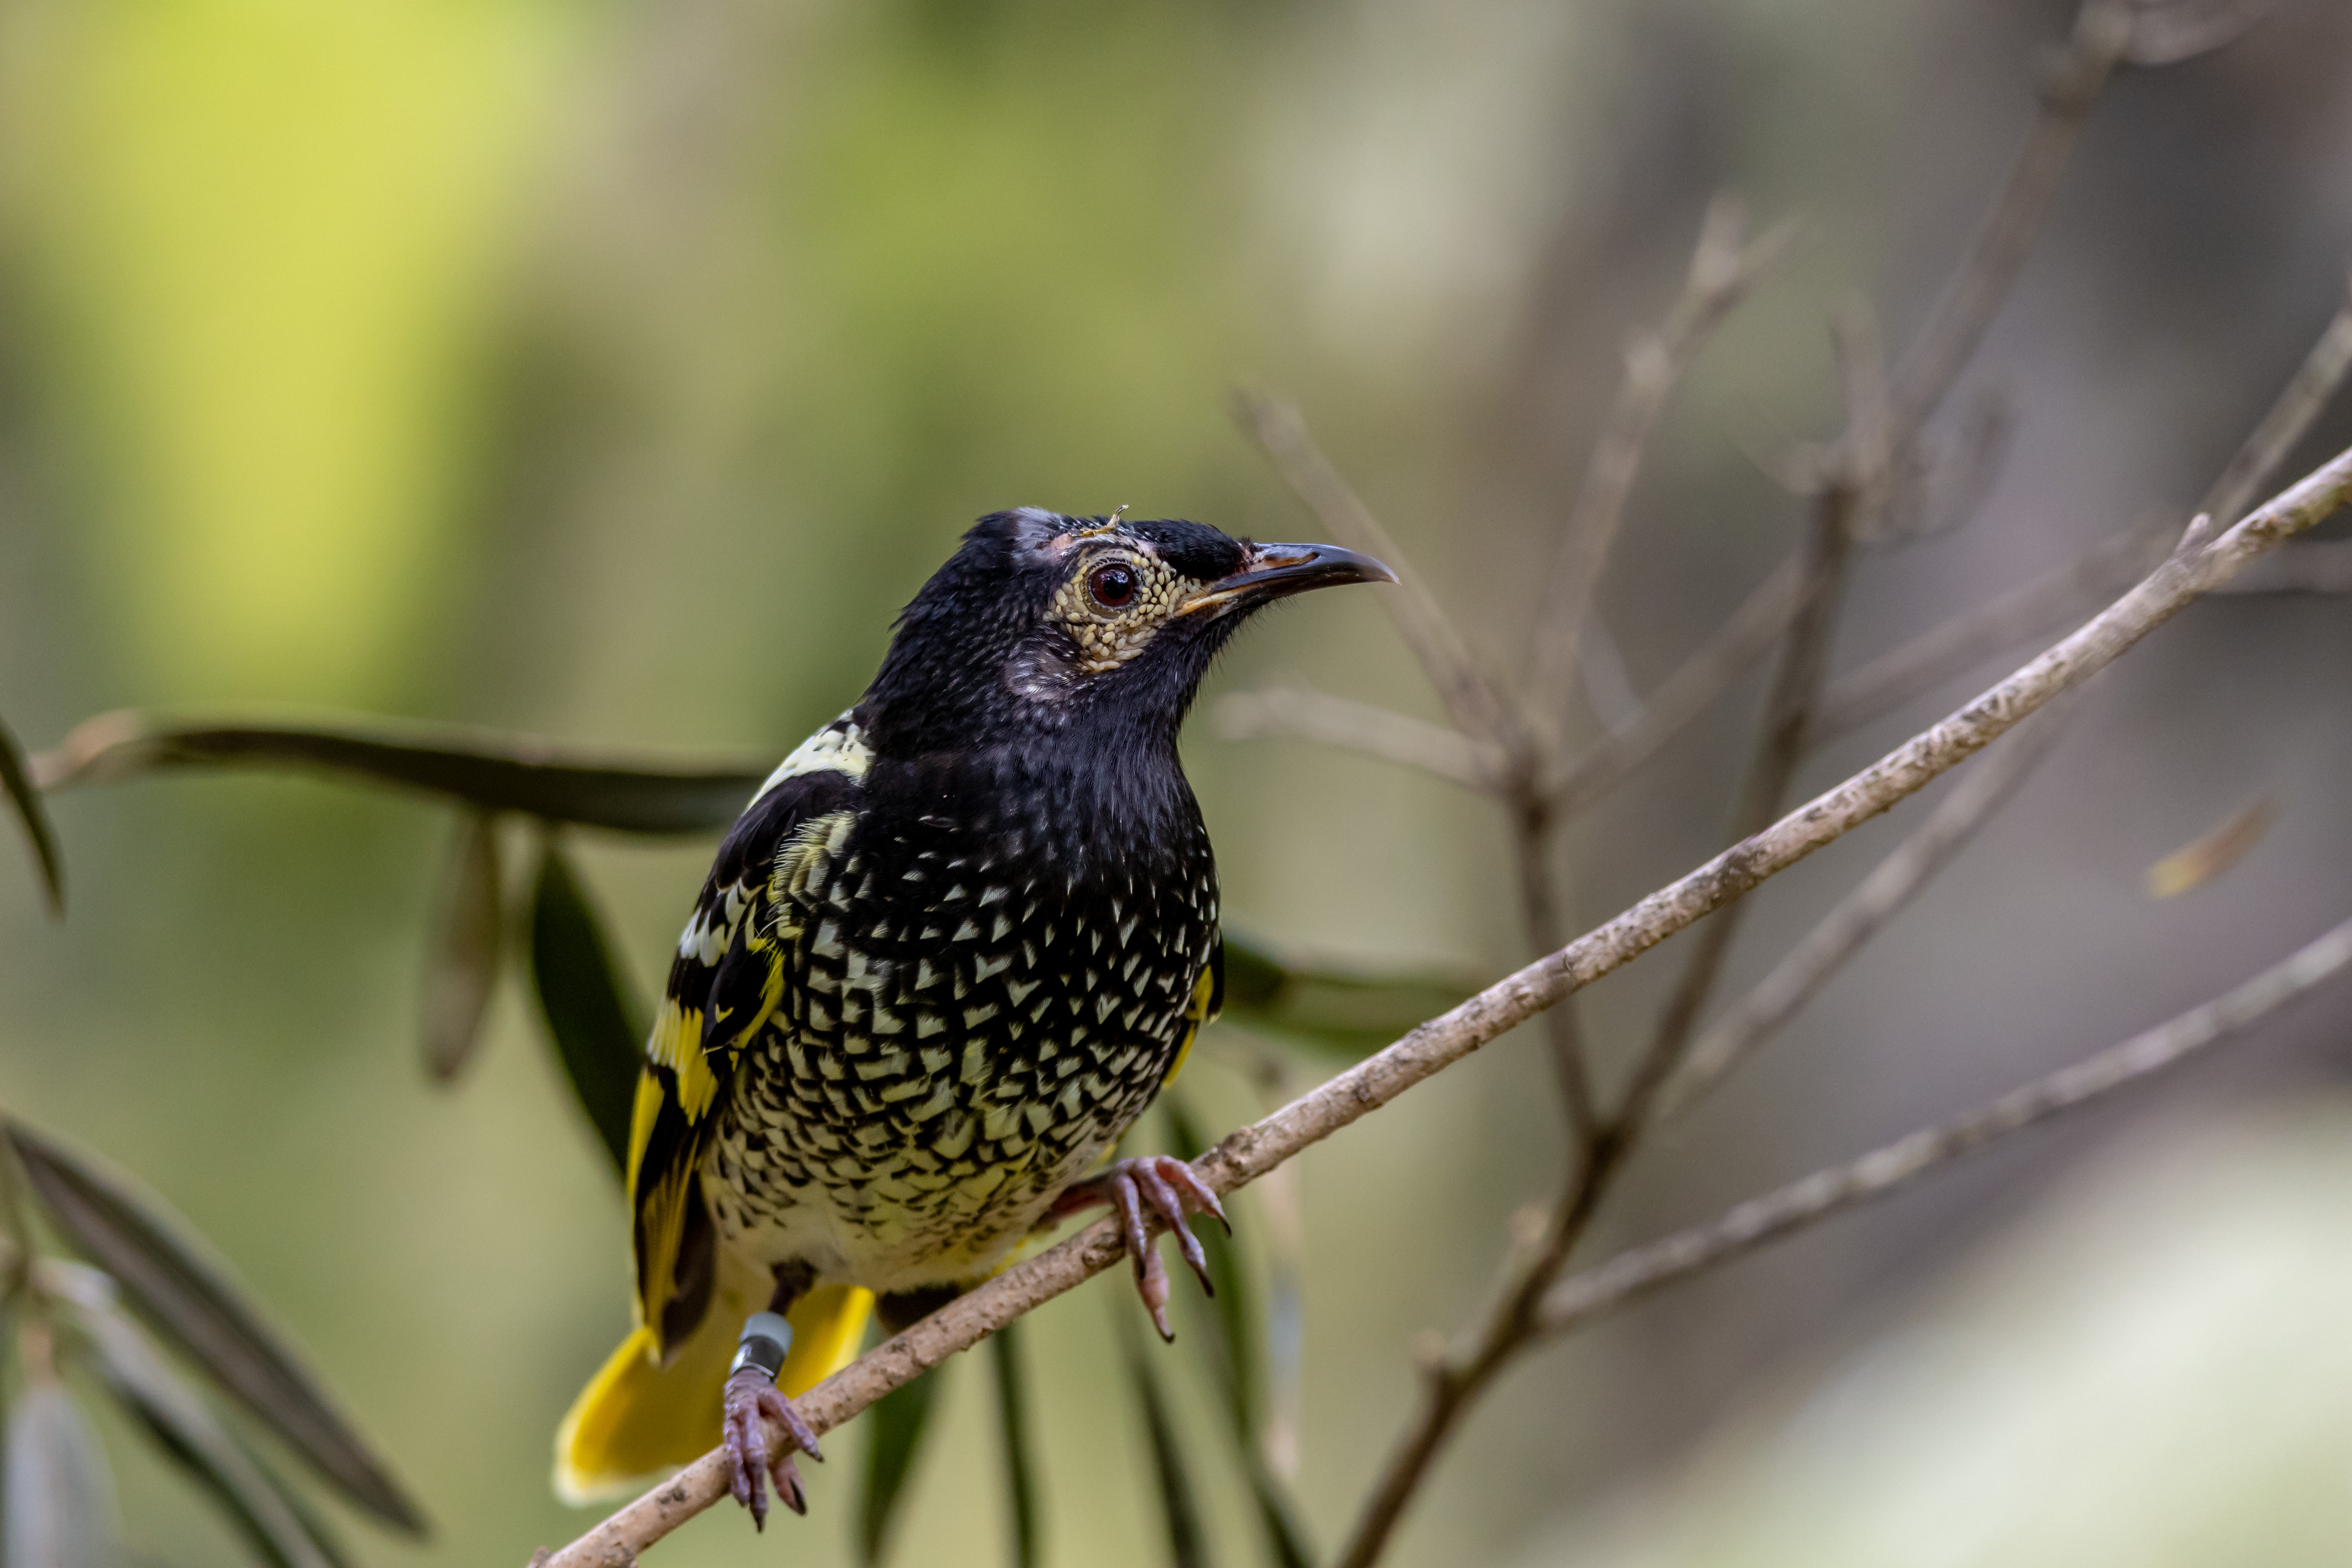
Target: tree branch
x=2198 y=563
x=1277 y=712
x=1599 y=1290
x=1711 y=669
x=2102 y=30
x=1724 y=270
x=1471 y=701
x=2290 y=418
x=1253 y=1151
x=1862 y=914
x=1957 y=645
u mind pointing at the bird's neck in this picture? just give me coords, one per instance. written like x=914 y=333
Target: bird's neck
x=1098 y=802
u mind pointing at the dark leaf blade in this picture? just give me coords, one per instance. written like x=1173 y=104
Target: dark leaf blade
x=184 y=1428
x=491 y=771
x=188 y=1299
x=896 y=1426
x=58 y=1511
x=17 y=778
x=1012 y=1436
x=1231 y=1347
x=1354 y=1008
x=1180 y=1508
x=592 y=1010
x=463 y=968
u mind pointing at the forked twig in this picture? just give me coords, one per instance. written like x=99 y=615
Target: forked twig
x=1862 y=914
x=1725 y=268
x=1470 y=701
x=1948 y=651
x=1712 y=669
x=1634 y=1273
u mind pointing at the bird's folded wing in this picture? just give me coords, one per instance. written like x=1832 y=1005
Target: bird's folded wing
x=726 y=983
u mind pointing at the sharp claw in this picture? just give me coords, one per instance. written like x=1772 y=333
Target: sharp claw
x=1152 y=1178
x=789 y=1491
x=782 y=1411
x=1153 y=1288
x=1203 y=1196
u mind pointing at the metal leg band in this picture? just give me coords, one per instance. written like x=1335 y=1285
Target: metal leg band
x=767 y=1341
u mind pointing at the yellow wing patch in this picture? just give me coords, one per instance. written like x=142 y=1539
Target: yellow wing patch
x=727 y=986
x=1200 y=1012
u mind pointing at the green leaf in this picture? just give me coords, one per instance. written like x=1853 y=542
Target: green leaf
x=591 y=1008
x=1179 y=1511
x=491 y=771
x=894 y=1429
x=1346 y=1007
x=463 y=967
x=183 y=1426
x=1230 y=1349
x=18 y=780
x=188 y=1298
x=59 y=1507
x=1013 y=1441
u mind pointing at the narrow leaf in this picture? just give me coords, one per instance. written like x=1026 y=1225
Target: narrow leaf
x=592 y=1010
x=463 y=966
x=2195 y=864
x=1352 y=1009
x=60 y=1509
x=491 y=770
x=1179 y=1511
x=894 y=1429
x=1232 y=1349
x=1013 y=1442
x=17 y=778
x=183 y=1426
x=187 y=1297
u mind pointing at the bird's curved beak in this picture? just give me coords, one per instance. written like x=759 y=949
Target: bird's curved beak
x=1276 y=571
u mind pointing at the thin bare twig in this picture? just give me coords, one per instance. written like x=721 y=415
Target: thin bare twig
x=1712 y=669
x=2069 y=90
x=1724 y=270
x=1862 y=914
x=1539 y=909
x=2165 y=33
x=2311 y=568
x=1251 y=1151
x=1951 y=649
x=2289 y=419
x=1957 y=645
x=1455 y=1386
x=1797 y=681
x=1470 y=700
x=1277 y=713
x=1599 y=1290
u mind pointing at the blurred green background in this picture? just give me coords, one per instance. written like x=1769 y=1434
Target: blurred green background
x=614 y=372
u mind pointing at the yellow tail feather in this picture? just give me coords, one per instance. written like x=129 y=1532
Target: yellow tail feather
x=636 y=1420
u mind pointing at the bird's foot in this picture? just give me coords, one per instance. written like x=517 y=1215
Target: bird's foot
x=752 y=1394
x=1170 y=1189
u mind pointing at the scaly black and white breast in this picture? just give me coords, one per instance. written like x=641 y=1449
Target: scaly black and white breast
x=972 y=1003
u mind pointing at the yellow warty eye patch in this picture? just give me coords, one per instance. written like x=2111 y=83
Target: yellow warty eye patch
x=1108 y=638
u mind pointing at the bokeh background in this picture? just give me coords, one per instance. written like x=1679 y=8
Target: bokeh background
x=613 y=371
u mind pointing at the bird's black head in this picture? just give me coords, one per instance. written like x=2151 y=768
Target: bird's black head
x=1042 y=624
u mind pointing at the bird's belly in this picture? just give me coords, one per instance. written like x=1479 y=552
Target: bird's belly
x=920 y=1174
x=954 y=1041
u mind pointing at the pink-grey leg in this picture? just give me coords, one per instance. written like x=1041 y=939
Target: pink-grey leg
x=750 y=1395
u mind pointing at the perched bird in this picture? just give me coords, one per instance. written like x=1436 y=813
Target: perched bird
x=951 y=950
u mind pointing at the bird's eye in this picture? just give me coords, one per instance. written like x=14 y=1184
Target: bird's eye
x=1113 y=586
